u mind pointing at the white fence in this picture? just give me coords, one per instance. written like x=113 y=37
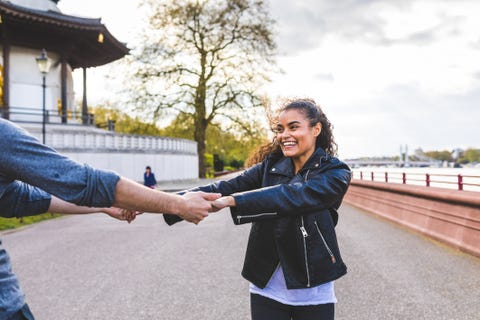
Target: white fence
x=67 y=140
x=170 y=158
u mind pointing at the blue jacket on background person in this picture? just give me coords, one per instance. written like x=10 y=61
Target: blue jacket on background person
x=149 y=178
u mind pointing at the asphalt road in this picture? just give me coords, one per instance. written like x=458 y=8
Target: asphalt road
x=93 y=267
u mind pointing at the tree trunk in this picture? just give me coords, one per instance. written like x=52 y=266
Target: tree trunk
x=201 y=116
x=200 y=131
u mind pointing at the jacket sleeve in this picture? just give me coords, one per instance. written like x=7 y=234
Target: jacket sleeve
x=322 y=191
x=248 y=180
x=24 y=158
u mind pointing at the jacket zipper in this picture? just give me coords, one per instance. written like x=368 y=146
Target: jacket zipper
x=332 y=257
x=256 y=215
x=305 y=235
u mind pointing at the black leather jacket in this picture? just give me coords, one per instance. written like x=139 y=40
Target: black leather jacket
x=293 y=218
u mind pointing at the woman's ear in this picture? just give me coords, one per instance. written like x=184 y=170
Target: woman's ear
x=317 y=129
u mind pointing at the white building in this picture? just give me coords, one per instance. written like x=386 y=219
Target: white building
x=46 y=109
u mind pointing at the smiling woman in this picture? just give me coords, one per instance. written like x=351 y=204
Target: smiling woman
x=291 y=196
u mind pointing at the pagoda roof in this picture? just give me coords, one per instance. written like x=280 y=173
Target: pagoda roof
x=76 y=38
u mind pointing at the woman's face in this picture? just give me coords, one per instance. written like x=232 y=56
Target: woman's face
x=295 y=136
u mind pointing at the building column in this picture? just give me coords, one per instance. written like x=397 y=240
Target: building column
x=85 y=117
x=63 y=81
x=6 y=72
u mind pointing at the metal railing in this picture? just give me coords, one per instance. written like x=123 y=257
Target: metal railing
x=35 y=115
x=451 y=181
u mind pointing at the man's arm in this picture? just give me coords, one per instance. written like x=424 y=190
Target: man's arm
x=20 y=199
x=24 y=158
x=59 y=206
x=192 y=206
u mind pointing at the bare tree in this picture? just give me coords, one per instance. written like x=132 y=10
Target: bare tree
x=205 y=59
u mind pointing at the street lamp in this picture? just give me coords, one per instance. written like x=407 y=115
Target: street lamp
x=43 y=63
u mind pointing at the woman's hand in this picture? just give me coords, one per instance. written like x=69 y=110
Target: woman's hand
x=121 y=214
x=223 y=202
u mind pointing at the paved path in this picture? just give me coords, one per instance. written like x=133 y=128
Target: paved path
x=93 y=267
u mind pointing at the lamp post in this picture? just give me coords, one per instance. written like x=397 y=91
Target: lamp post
x=43 y=63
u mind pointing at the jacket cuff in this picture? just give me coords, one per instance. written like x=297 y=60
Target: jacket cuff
x=241 y=216
x=171 y=219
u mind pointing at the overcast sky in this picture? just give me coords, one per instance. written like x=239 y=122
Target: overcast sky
x=386 y=72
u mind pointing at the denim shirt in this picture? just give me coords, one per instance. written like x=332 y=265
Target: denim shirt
x=29 y=173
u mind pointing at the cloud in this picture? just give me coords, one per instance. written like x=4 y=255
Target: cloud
x=324 y=77
x=406 y=115
x=304 y=25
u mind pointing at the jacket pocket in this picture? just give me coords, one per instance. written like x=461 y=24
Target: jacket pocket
x=325 y=244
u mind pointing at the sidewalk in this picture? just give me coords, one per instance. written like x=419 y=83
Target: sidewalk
x=178 y=185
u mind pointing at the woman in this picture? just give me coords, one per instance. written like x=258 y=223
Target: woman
x=291 y=198
x=149 y=178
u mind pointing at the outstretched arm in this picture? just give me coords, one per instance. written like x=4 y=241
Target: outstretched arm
x=322 y=191
x=192 y=206
x=27 y=160
x=59 y=206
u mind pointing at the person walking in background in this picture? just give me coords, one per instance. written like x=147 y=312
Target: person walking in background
x=35 y=179
x=291 y=197
x=149 y=178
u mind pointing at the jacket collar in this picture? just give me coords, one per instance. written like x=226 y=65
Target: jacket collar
x=284 y=165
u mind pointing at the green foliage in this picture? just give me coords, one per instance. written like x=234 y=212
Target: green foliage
x=123 y=122
x=444 y=155
x=12 y=223
x=470 y=156
x=209 y=165
x=232 y=145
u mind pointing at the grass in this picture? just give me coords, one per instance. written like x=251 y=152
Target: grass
x=12 y=223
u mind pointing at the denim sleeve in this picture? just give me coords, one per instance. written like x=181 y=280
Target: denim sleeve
x=20 y=199
x=24 y=158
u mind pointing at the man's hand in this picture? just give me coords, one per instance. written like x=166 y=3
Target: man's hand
x=197 y=205
x=121 y=214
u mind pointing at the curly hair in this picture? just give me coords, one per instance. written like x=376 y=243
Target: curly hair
x=314 y=114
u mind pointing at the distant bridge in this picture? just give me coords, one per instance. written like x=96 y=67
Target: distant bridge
x=390 y=163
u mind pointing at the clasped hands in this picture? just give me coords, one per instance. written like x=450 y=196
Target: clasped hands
x=193 y=207
x=201 y=204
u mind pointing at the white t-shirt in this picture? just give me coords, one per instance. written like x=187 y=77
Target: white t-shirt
x=276 y=289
